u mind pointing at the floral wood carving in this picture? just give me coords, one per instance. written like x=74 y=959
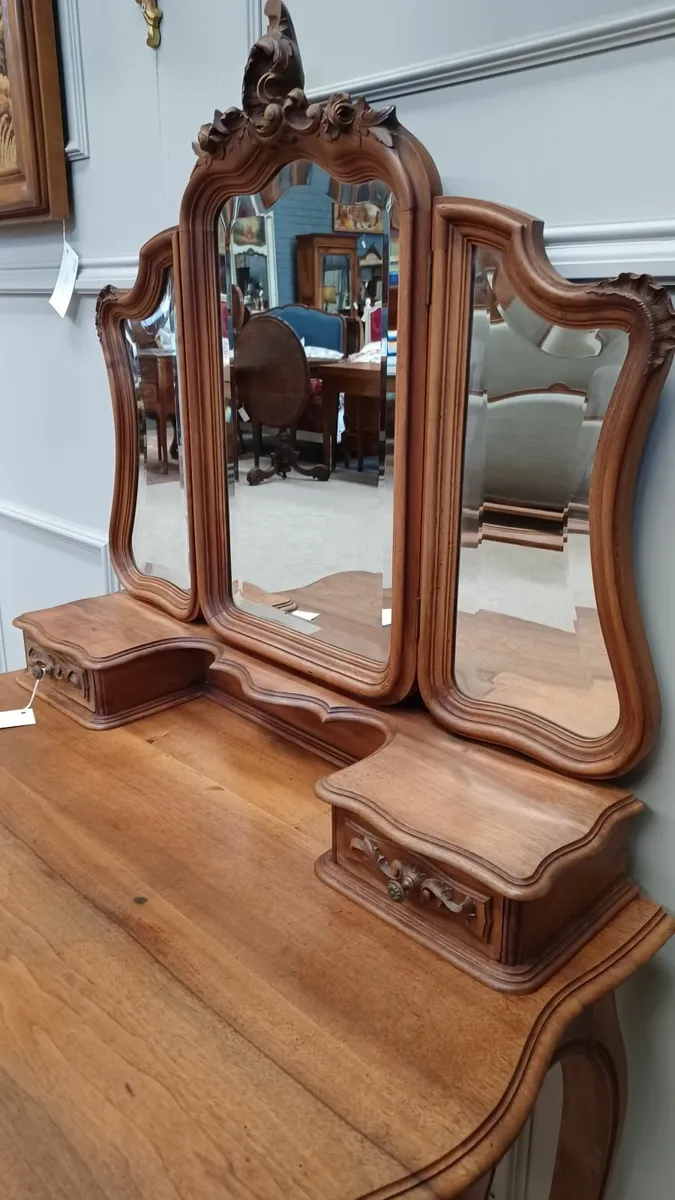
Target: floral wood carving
x=274 y=104
x=656 y=305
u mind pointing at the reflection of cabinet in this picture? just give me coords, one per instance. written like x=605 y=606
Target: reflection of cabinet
x=328 y=271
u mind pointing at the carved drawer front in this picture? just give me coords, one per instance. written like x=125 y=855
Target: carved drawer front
x=59 y=676
x=417 y=890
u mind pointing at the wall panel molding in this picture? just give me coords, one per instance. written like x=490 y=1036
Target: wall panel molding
x=635 y=28
x=77 y=146
x=66 y=532
x=38 y=279
x=578 y=251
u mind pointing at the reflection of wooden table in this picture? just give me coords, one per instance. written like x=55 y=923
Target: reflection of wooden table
x=361 y=382
x=159 y=395
x=557 y=674
x=349 y=605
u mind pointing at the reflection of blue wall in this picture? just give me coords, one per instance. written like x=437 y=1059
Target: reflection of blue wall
x=306 y=210
x=299 y=210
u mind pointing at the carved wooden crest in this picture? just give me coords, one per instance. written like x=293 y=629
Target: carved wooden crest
x=655 y=302
x=274 y=104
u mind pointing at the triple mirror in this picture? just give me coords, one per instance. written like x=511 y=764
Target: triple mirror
x=369 y=434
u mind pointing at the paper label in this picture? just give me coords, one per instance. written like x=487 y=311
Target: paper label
x=243 y=413
x=65 y=284
x=304 y=615
x=15 y=717
x=386 y=616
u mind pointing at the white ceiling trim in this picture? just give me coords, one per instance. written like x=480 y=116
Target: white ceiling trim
x=540 y=51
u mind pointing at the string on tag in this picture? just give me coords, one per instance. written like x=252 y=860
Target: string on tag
x=34 y=691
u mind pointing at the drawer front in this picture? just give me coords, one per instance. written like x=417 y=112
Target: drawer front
x=61 y=678
x=451 y=905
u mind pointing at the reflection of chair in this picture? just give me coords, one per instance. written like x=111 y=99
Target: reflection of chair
x=315 y=328
x=271 y=378
x=532 y=447
x=372 y=318
x=157 y=394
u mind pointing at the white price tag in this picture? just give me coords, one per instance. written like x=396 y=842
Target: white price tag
x=16 y=717
x=65 y=284
x=386 y=616
x=243 y=413
x=304 y=615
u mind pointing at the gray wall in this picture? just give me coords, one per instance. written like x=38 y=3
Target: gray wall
x=580 y=138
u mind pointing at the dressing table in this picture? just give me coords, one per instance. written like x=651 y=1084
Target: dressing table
x=329 y=798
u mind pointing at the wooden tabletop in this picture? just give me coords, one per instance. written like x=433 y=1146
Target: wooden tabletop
x=187 y=1012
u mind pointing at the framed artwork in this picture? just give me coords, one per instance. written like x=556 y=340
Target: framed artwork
x=357 y=218
x=33 y=179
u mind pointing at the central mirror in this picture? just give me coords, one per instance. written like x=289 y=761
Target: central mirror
x=307 y=322
x=528 y=633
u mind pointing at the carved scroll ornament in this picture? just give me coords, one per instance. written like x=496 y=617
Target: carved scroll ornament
x=655 y=302
x=274 y=104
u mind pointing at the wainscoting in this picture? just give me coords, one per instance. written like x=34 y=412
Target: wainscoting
x=57 y=560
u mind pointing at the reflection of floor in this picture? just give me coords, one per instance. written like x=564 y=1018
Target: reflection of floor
x=288 y=533
x=160 y=541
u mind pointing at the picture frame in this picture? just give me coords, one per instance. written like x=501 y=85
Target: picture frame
x=33 y=173
x=357 y=218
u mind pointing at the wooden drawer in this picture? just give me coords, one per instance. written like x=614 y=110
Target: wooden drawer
x=61 y=678
x=416 y=893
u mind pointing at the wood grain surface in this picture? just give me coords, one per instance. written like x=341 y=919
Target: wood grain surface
x=188 y=1012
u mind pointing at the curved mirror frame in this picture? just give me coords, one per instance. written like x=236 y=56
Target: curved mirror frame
x=157 y=257
x=634 y=304
x=240 y=153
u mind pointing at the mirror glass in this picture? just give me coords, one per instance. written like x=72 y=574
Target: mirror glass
x=309 y=373
x=160 y=531
x=527 y=631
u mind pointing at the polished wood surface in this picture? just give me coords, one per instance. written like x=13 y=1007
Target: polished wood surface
x=635 y=304
x=546 y=855
x=157 y=257
x=176 y=978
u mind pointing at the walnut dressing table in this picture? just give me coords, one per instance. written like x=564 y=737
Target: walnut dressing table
x=307 y=902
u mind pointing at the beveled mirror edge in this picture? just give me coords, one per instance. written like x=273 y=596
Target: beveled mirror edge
x=156 y=257
x=239 y=152
x=635 y=304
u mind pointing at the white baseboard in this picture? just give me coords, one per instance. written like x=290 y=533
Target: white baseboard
x=541 y=50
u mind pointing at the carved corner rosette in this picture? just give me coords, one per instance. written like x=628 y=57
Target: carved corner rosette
x=274 y=104
x=655 y=302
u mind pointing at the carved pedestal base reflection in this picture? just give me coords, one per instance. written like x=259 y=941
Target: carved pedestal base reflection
x=285 y=459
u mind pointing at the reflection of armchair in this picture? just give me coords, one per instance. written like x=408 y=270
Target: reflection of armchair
x=529 y=458
x=315 y=328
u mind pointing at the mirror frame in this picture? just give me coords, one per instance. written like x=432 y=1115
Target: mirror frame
x=240 y=152
x=635 y=304
x=113 y=307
